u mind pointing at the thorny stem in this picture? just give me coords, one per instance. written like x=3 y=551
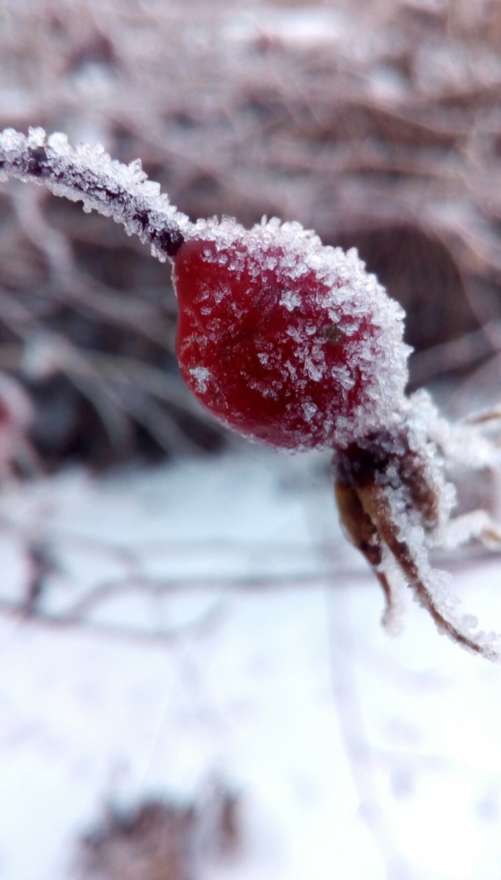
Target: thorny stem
x=107 y=186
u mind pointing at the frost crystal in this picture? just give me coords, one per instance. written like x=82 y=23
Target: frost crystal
x=290 y=300
x=201 y=375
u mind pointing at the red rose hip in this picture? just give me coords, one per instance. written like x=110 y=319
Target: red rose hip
x=294 y=344
x=285 y=340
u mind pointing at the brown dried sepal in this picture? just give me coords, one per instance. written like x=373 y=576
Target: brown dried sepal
x=363 y=487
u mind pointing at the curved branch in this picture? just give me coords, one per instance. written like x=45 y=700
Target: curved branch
x=88 y=174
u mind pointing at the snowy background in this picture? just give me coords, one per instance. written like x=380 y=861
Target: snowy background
x=195 y=684
x=229 y=640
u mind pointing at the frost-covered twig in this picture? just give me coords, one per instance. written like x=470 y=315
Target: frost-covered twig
x=102 y=184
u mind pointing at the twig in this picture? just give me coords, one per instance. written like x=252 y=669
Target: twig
x=103 y=629
x=89 y=175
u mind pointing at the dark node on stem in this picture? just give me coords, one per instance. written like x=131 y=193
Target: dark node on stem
x=358 y=464
x=170 y=240
x=141 y=217
x=37 y=158
x=362 y=464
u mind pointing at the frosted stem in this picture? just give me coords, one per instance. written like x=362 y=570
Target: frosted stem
x=88 y=174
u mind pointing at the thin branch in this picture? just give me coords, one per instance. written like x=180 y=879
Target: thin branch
x=456 y=354
x=122 y=631
x=89 y=175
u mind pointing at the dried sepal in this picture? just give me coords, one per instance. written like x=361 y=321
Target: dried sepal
x=394 y=498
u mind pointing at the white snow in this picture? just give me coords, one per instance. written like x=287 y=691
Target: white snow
x=354 y=754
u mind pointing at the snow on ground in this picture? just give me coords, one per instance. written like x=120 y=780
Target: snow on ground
x=258 y=660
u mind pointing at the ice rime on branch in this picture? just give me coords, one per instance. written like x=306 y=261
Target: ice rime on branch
x=88 y=174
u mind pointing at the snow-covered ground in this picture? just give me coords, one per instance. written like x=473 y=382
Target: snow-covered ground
x=234 y=635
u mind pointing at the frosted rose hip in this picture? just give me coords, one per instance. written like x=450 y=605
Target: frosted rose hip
x=285 y=340
x=295 y=344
